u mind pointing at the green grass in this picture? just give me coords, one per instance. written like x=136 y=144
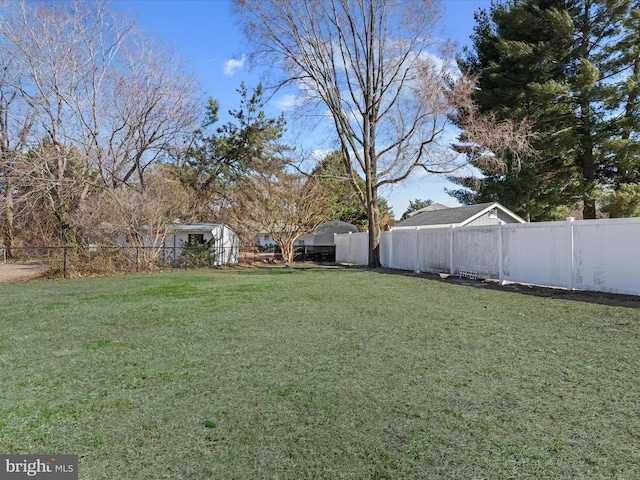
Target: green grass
x=316 y=372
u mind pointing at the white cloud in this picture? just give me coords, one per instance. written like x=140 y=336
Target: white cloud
x=319 y=154
x=230 y=66
x=288 y=102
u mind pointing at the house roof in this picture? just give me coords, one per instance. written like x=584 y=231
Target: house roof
x=428 y=208
x=323 y=233
x=458 y=216
x=337 y=226
x=195 y=227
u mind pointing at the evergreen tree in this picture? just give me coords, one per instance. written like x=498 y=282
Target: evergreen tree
x=214 y=161
x=415 y=205
x=331 y=173
x=594 y=73
x=567 y=66
x=621 y=149
x=519 y=53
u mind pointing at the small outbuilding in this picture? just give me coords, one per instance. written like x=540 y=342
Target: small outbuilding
x=223 y=243
x=482 y=214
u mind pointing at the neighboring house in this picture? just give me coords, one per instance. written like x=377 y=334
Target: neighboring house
x=468 y=216
x=322 y=235
x=225 y=247
x=320 y=245
x=265 y=241
x=428 y=208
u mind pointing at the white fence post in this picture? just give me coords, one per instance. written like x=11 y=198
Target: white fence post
x=571 y=253
x=500 y=255
x=452 y=264
x=417 y=263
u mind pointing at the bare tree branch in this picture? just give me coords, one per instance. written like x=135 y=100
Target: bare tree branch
x=362 y=60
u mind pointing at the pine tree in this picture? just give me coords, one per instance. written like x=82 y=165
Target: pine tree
x=415 y=205
x=570 y=67
x=593 y=73
x=331 y=172
x=621 y=148
x=519 y=54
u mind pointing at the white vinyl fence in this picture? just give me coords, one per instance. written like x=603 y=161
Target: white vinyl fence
x=353 y=248
x=596 y=255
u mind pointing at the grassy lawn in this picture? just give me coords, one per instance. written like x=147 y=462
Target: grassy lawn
x=316 y=372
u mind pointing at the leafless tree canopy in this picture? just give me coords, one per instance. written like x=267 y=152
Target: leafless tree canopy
x=373 y=65
x=285 y=205
x=139 y=217
x=484 y=140
x=89 y=100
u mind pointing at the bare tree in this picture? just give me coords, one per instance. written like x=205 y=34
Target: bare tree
x=16 y=120
x=372 y=64
x=284 y=204
x=43 y=41
x=141 y=217
x=157 y=103
x=106 y=101
x=489 y=143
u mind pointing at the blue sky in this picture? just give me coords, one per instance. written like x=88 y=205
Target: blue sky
x=205 y=32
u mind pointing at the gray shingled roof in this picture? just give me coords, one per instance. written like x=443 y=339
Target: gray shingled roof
x=447 y=216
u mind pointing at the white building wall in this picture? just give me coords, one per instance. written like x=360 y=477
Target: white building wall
x=488 y=218
x=264 y=240
x=226 y=246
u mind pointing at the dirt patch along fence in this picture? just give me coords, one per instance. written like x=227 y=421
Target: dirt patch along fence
x=24 y=263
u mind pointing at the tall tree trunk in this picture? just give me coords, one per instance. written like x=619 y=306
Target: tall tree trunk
x=588 y=176
x=373 y=214
x=8 y=230
x=628 y=126
x=287 y=252
x=586 y=127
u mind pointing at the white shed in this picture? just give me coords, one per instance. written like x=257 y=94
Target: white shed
x=224 y=247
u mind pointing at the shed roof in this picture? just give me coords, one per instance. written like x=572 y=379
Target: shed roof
x=195 y=227
x=455 y=216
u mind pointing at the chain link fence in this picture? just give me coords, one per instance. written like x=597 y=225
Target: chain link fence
x=24 y=263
